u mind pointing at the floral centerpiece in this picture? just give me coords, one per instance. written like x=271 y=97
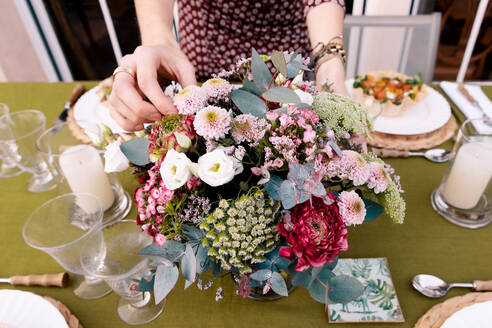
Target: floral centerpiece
x=260 y=179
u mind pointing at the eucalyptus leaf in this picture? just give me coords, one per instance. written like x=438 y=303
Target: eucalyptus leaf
x=136 y=151
x=216 y=268
x=261 y=74
x=281 y=110
x=297 y=64
x=188 y=284
x=302 y=278
x=273 y=187
x=188 y=264
x=146 y=286
x=171 y=250
x=251 y=87
x=278 y=284
x=373 y=210
x=261 y=275
x=335 y=147
x=202 y=259
x=344 y=289
x=317 y=288
x=292 y=71
x=248 y=103
x=281 y=95
x=288 y=194
x=297 y=173
x=302 y=106
x=165 y=280
x=279 y=62
x=191 y=232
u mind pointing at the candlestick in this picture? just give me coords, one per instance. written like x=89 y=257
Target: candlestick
x=84 y=170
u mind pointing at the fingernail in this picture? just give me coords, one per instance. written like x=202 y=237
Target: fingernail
x=156 y=117
x=138 y=127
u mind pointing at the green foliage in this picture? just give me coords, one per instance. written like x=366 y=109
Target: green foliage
x=281 y=95
x=344 y=289
x=261 y=73
x=384 y=294
x=248 y=103
x=278 y=60
x=393 y=203
x=165 y=280
x=136 y=151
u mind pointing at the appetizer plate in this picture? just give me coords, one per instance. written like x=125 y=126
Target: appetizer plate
x=90 y=108
x=20 y=309
x=426 y=116
x=478 y=315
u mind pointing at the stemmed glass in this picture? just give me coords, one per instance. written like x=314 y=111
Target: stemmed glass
x=8 y=168
x=60 y=228
x=116 y=261
x=26 y=126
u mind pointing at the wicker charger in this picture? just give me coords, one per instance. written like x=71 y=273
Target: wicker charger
x=439 y=313
x=71 y=320
x=415 y=141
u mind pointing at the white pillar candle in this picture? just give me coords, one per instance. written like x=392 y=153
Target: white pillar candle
x=469 y=176
x=83 y=168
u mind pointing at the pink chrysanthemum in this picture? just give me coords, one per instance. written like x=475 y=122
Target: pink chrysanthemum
x=190 y=100
x=351 y=207
x=351 y=165
x=212 y=122
x=217 y=88
x=378 y=177
x=242 y=128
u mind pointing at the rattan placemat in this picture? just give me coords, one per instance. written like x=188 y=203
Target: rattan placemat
x=415 y=141
x=438 y=314
x=71 y=320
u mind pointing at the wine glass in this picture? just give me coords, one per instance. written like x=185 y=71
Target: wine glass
x=8 y=168
x=60 y=228
x=116 y=261
x=26 y=126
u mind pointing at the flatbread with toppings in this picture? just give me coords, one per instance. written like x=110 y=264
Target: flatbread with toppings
x=388 y=93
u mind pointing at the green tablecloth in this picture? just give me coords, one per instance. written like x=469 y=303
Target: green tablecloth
x=425 y=243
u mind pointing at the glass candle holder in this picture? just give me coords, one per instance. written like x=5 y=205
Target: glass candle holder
x=22 y=129
x=465 y=194
x=60 y=228
x=78 y=166
x=118 y=263
x=8 y=168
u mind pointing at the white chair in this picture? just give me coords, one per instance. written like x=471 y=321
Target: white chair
x=406 y=44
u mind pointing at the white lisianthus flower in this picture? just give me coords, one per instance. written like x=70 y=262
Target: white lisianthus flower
x=236 y=160
x=216 y=168
x=114 y=159
x=96 y=139
x=306 y=97
x=175 y=169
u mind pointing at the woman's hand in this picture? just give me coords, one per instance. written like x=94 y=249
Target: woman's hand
x=150 y=63
x=333 y=71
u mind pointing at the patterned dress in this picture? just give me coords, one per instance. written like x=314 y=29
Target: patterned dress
x=214 y=34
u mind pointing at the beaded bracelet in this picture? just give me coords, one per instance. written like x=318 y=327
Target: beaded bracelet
x=326 y=52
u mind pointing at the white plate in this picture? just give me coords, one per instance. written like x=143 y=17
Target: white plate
x=20 y=309
x=478 y=315
x=426 y=116
x=89 y=108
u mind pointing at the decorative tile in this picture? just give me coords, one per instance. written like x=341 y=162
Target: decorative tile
x=378 y=303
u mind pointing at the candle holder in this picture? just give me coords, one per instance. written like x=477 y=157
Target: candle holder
x=465 y=194
x=79 y=167
x=8 y=168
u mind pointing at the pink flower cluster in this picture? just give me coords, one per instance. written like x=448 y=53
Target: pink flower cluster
x=351 y=165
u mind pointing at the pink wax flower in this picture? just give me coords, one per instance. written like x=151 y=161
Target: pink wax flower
x=193 y=183
x=309 y=134
x=315 y=233
x=351 y=207
x=272 y=115
x=160 y=239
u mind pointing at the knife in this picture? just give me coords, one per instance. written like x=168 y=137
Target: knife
x=57 y=280
x=77 y=91
x=469 y=97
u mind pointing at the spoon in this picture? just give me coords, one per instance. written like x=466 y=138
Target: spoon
x=436 y=155
x=432 y=286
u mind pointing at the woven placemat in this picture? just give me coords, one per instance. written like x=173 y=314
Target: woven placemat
x=71 y=320
x=439 y=313
x=415 y=141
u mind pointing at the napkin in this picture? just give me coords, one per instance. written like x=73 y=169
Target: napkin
x=469 y=110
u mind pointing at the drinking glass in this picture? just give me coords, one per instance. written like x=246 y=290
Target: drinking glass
x=116 y=261
x=25 y=127
x=465 y=194
x=8 y=168
x=78 y=166
x=60 y=227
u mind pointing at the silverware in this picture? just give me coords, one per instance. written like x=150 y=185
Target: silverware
x=469 y=97
x=436 y=155
x=56 y=279
x=77 y=91
x=432 y=286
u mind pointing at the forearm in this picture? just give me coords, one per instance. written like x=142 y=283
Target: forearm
x=155 y=19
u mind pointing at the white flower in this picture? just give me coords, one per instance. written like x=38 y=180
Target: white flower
x=183 y=140
x=306 y=97
x=175 y=169
x=114 y=159
x=236 y=160
x=96 y=139
x=216 y=168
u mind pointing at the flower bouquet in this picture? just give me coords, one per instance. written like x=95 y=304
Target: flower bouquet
x=260 y=179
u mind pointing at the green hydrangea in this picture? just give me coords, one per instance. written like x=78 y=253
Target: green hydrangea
x=341 y=114
x=393 y=203
x=240 y=232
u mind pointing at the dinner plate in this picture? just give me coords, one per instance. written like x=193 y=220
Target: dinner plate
x=425 y=116
x=478 y=315
x=90 y=108
x=20 y=309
